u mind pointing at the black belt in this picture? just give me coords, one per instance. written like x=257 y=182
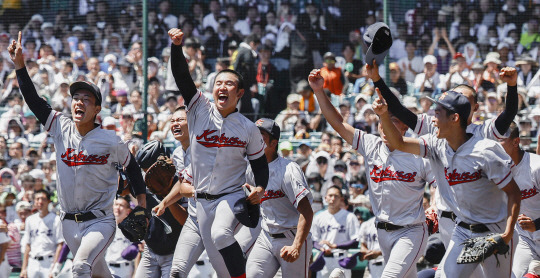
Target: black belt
x=199 y=263
x=378 y=263
x=118 y=265
x=81 y=217
x=332 y=254
x=209 y=197
x=281 y=235
x=387 y=226
x=449 y=214
x=41 y=258
x=475 y=228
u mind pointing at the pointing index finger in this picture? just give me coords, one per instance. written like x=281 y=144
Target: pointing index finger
x=380 y=95
x=19 y=39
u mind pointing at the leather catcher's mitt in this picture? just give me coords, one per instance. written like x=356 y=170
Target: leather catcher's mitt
x=135 y=225
x=159 y=177
x=477 y=249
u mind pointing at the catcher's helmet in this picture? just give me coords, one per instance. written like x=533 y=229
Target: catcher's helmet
x=149 y=153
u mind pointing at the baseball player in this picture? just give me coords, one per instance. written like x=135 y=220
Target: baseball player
x=190 y=246
x=43 y=239
x=87 y=179
x=423 y=124
x=370 y=248
x=222 y=139
x=527 y=176
x=287 y=215
x=334 y=230
x=474 y=178
x=115 y=257
x=396 y=182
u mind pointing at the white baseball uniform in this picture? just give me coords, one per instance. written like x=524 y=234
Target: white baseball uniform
x=189 y=248
x=118 y=265
x=470 y=180
x=527 y=176
x=219 y=148
x=368 y=235
x=43 y=235
x=5 y=268
x=396 y=182
x=87 y=181
x=287 y=185
x=335 y=228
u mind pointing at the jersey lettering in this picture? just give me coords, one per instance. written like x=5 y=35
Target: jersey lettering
x=378 y=174
x=272 y=194
x=454 y=177
x=528 y=193
x=212 y=141
x=328 y=228
x=71 y=159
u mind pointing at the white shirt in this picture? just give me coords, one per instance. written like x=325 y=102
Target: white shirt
x=43 y=234
x=118 y=245
x=431 y=83
x=417 y=65
x=335 y=228
x=527 y=176
x=470 y=179
x=182 y=161
x=368 y=235
x=210 y=21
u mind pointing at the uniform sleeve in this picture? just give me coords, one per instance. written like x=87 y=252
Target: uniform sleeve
x=497 y=164
x=255 y=146
x=295 y=185
x=187 y=174
x=58 y=230
x=489 y=131
x=353 y=226
x=198 y=104
x=122 y=152
x=26 y=237
x=55 y=123
x=363 y=141
x=428 y=145
x=178 y=160
x=424 y=125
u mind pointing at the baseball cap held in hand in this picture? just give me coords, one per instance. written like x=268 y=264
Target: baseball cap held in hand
x=378 y=39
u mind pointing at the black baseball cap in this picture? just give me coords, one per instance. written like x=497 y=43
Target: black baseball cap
x=378 y=39
x=85 y=85
x=269 y=126
x=455 y=102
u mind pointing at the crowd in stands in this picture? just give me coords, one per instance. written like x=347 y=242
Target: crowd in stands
x=274 y=44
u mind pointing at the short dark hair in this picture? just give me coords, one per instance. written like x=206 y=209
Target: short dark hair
x=252 y=38
x=462 y=120
x=514 y=130
x=475 y=94
x=238 y=75
x=127 y=199
x=180 y=108
x=47 y=193
x=348 y=45
x=335 y=187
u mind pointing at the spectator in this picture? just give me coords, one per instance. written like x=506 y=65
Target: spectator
x=503 y=48
x=429 y=80
x=459 y=73
x=211 y=19
x=442 y=49
x=334 y=79
x=492 y=63
x=165 y=16
x=531 y=37
x=353 y=67
x=526 y=63
x=411 y=65
x=397 y=51
x=266 y=77
x=503 y=26
x=241 y=27
x=217 y=44
x=287 y=118
x=396 y=79
x=244 y=63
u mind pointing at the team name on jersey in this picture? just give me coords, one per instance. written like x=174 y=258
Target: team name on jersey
x=35 y=233
x=528 y=193
x=328 y=228
x=454 y=177
x=379 y=174
x=71 y=158
x=272 y=194
x=209 y=140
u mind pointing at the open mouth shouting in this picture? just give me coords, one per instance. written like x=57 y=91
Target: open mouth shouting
x=78 y=114
x=177 y=131
x=222 y=98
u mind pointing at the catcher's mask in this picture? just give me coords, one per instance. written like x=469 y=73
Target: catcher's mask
x=149 y=153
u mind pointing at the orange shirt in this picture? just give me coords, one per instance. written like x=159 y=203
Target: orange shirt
x=332 y=80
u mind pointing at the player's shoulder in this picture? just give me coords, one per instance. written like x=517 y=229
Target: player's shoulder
x=32 y=218
x=178 y=152
x=534 y=161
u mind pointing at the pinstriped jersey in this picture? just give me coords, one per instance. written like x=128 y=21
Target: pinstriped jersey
x=487 y=129
x=470 y=179
x=396 y=180
x=182 y=161
x=527 y=176
x=220 y=147
x=86 y=175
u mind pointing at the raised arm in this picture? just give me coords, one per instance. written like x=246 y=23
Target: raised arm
x=346 y=131
x=391 y=134
x=179 y=66
x=394 y=105
x=503 y=121
x=38 y=105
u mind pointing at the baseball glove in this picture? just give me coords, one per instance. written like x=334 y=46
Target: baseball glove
x=135 y=225
x=477 y=249
x=160 y=176
x=432 y=222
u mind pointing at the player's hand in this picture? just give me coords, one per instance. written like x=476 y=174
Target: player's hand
x=15 y=52
x=256 y=195
x=526 y=223
x=159 y=209
x=372 y=254
x=315 y=79
x=176 y=36
x=289 y=253
x=509 y=75
x=379 y=105
x=373 y=71
x=23 y=274
x=3 y=227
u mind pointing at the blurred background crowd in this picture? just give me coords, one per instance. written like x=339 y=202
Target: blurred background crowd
x=274 y=44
